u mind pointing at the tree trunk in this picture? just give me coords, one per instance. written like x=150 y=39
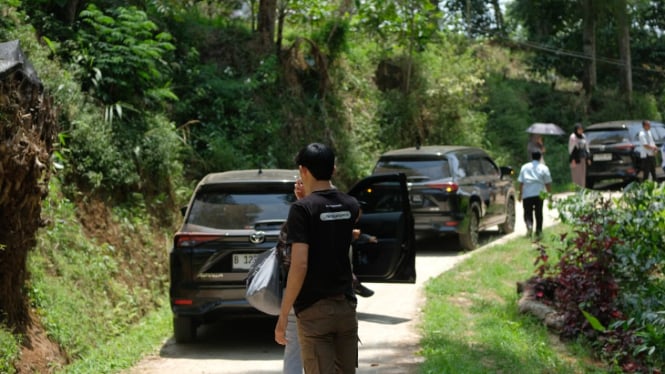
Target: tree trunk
x=27 y=130
x=589 y=47
x=623 y=26
x=266 y=22
x=498 y=17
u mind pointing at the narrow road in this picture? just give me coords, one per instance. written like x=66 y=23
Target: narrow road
x=388 y=325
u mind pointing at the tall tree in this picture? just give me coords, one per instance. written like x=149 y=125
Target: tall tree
x=623 y=31
x=266 y=22
x=28 y=128
x=589 y=80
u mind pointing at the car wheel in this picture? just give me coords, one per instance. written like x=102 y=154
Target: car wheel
x=509 y=225
x=469 y=239
x=589 y=182
x=184 y=329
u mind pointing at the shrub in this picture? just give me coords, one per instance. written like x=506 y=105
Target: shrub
x=609 y=278
x=9 y=351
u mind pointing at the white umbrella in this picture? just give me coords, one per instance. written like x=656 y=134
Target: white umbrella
x=545 y=129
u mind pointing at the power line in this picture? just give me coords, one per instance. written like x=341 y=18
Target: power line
x=565 y=52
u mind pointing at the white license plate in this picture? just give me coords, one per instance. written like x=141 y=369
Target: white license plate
x=242 y=261
x=602 y=157
x=417 y=199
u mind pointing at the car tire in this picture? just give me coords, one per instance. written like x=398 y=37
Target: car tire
x=184 y=329
x=509 y=225
x=590 y=182
x=469 y=239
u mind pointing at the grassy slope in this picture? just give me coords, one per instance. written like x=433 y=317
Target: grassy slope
x=472 y=323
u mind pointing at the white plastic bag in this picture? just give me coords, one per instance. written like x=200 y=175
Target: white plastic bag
x=264 y=288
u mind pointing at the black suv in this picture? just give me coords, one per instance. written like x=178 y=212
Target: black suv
x=615 y=150
x=454 y=190
x=233 y=216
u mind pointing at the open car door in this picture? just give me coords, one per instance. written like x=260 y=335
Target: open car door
x=386 y=214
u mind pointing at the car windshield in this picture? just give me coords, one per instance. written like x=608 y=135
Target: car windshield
x=415 y=169
x=602 y=137
x=238 y=211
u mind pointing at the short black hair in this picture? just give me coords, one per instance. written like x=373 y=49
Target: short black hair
x=535 y=155
x=319 y=159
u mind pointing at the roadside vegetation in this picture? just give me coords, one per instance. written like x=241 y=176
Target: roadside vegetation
x=471 y=322
x=152 y=96
x=601 y=270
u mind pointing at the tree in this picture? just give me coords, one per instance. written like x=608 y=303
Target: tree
x=623 y=32
x=265 y=25
x=28 y=123
x=589 y=80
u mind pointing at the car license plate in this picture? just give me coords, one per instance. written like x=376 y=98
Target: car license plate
x=417 y=199
x=602 y=157
x=242 y=261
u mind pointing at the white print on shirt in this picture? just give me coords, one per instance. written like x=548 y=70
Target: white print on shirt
x=335 y=216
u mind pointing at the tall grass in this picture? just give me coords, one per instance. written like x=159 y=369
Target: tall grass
x=472 y=324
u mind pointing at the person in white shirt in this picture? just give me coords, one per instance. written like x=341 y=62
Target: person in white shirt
x=648 y=152
x=534 y=178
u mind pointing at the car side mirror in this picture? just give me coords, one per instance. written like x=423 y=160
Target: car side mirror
x=183 y=210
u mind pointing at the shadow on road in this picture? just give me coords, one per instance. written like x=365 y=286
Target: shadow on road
x=230 y=338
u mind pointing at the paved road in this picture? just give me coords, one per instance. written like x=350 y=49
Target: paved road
x=388 y=326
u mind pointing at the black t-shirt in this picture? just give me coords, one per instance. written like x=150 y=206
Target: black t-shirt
x=324 y=220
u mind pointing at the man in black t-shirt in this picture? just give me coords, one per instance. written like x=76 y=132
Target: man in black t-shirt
x=319 y=284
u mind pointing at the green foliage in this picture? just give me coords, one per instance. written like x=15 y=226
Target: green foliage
x=126 y=350
x=124 y=57
x=112 y=285
x=9 y=350
x=443 y=105
x=471 y=323
x=620 y=240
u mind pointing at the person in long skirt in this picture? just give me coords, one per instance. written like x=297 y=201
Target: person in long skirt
x=578 y=155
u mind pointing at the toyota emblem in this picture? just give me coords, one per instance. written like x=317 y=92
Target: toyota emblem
x=257 y=237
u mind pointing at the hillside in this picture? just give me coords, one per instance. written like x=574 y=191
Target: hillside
x=135 y=133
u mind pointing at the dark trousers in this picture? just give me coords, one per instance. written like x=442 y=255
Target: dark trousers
x=533 y=206
x=649 y=167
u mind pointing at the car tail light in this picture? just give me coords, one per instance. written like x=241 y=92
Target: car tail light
x=448 y=187
x=191 y=240
x=182 y=302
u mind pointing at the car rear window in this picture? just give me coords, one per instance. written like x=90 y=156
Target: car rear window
x=602 y=137
x=238 y=211
x=415 y=169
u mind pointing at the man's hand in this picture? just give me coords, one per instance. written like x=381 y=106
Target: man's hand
x=280 y=330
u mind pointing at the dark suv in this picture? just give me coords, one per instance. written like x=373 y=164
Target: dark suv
x=454 y=190
x=615 y=150
x=233 y=216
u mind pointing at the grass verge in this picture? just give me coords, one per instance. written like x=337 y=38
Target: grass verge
x=471 y=323
x=126 y=350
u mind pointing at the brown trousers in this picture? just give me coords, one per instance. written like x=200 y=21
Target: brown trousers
x=328 y=336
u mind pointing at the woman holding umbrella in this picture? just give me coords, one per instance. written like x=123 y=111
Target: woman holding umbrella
x=535 y=144
x=537 y=130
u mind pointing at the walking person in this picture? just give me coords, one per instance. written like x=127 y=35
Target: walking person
x=578 y=155
x=536 y=144
x=319 y=285
x=292 y=363
x=534 y=178
x=648 y=152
